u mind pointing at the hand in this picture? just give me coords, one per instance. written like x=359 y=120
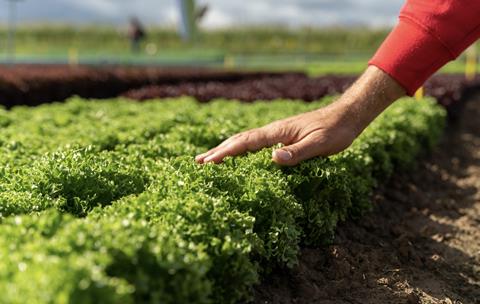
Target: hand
x=319 y=133
x=323 y=132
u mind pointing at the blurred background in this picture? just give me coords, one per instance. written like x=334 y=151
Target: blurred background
x=315 y=36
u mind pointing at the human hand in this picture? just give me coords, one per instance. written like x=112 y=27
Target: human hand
x=323 y=132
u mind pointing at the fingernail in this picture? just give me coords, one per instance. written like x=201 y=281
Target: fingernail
x=201 y=155
x=282 y=155
x=209 y=159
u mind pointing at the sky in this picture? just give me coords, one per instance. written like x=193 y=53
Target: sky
x=222 y=13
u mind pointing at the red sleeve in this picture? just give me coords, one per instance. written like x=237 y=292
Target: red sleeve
x=429 y=34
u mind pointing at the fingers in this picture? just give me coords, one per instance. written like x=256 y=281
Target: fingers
x=199 y=158
x=309 y=147
x=315 y=144
x=249 y=141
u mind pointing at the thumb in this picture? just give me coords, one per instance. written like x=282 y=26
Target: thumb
x=293 y=154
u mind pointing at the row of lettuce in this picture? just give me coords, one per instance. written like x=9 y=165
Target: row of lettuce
x=101 y=202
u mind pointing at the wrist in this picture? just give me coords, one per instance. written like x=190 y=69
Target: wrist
x=368 y=97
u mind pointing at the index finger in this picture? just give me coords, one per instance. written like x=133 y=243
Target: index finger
x=249 y=141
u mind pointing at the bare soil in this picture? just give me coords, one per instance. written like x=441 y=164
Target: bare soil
x=421 y=244
x=36 y=84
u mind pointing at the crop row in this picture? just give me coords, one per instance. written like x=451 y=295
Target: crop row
x=32 y=40
x=33 y=85
x=101 y=202
x=449 y=90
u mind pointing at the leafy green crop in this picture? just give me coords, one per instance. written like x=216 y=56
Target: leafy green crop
x=101 y=201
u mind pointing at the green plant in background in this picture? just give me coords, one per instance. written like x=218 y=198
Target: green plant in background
x=315 y=51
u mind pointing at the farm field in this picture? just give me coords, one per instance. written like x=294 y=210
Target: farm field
x=250 y=48
x=107 y=108
x=37 y=84
x=314 y=51
x=58 y=39
x=101 y=200
x=418 y=245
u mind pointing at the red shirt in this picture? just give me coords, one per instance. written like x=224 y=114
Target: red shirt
x=429 y=34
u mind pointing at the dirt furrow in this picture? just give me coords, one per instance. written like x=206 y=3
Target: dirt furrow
x=420 y=245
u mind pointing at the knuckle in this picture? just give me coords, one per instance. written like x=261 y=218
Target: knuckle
x=279 y=125
x=237 y=136
x=246 y=136
x=286 y=131
x=293 y=152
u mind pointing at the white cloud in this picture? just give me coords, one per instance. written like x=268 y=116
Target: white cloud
x=100 y=7
x=222 y=12
x=217 y=19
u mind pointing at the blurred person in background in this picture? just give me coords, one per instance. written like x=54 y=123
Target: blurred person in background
x=136 y=33
x=429 y=34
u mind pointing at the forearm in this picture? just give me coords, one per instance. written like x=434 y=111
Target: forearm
x=368 y=97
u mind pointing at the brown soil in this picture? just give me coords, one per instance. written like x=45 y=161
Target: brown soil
x=448 y=89
x=36 y=84
x=420 y=245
